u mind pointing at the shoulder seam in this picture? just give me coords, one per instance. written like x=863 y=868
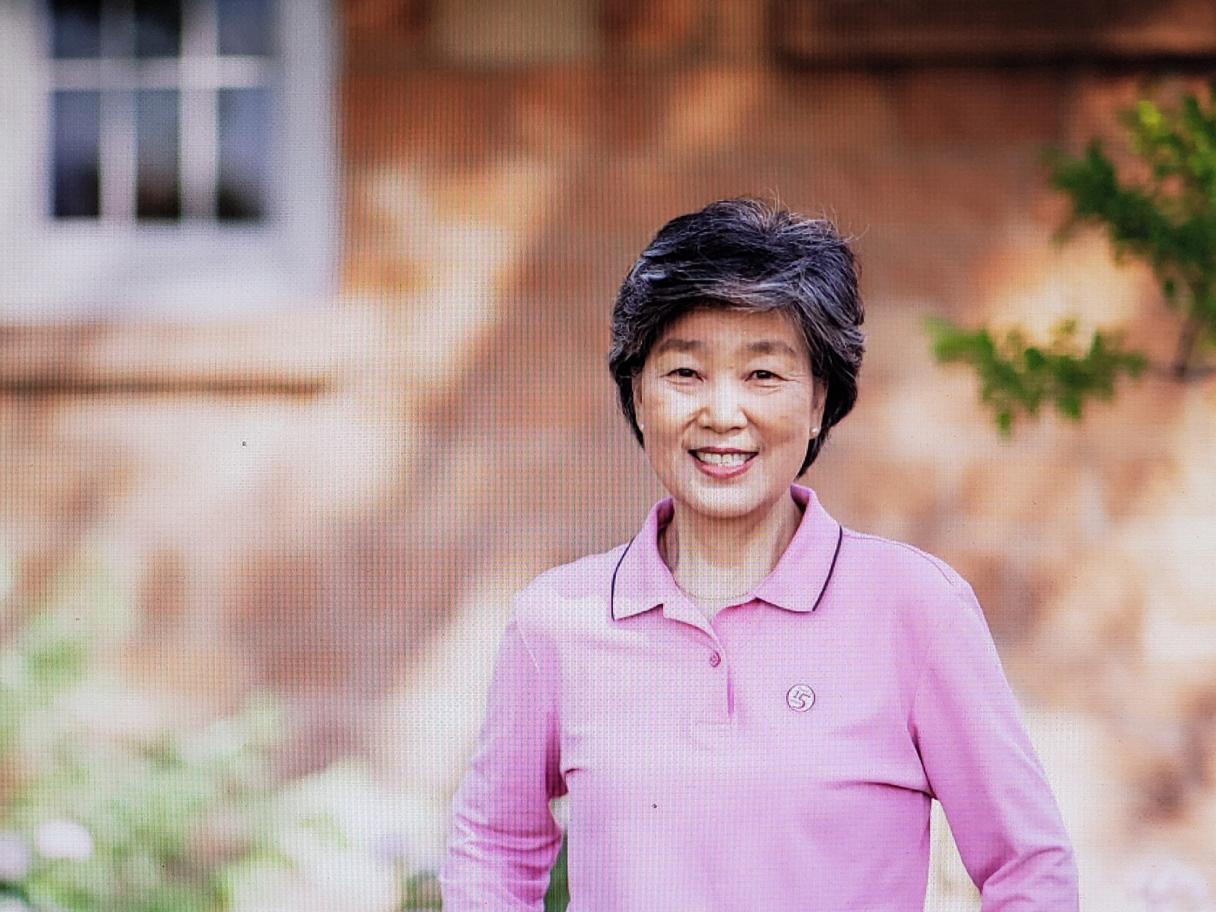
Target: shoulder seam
x=545 y=577
x=937 y=563
x=517 y=620
x=548 y=688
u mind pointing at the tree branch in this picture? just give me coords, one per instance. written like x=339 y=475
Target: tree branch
x=1186 y=345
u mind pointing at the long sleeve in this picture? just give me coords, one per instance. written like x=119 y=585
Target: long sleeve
x=982 y=767
x=503 y=838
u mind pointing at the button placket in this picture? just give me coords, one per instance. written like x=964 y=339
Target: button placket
x=713 y=719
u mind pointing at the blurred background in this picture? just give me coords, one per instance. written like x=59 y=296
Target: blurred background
x=303 y=334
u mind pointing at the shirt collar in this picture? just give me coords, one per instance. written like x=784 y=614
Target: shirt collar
x=642 y=580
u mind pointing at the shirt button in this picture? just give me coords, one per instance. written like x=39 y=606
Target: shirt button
x=714 y=659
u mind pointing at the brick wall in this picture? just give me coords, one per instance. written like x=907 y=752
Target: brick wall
x=344 y=503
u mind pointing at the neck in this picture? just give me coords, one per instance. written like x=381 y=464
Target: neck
x=715 y=560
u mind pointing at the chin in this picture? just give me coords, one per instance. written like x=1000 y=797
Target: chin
x=729 y=504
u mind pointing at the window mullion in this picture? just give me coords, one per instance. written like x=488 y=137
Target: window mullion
x=199 y=112
x=118 y=149
x=118 y=155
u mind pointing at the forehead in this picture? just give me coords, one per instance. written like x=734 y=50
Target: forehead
x=725 y=330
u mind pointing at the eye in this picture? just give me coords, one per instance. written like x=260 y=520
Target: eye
x=764 y=375
x=683 y=373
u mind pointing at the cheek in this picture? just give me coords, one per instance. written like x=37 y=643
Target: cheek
x=793 y=421
x=661 y=410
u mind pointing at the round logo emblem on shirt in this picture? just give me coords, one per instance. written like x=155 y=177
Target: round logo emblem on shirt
x=800 y=697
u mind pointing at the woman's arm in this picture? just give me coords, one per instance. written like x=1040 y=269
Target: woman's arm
x=983 y=769
x=504 y=839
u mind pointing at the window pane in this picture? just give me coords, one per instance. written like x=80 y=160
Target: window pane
x=158 y=191
x=244 y=151
x=158 y=28
x=75 y=28
x=246 y=26
x=77 y=128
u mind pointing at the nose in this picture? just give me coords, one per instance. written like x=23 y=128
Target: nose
x=722 y=410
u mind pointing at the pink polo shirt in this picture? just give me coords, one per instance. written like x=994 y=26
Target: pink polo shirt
x=781 y=758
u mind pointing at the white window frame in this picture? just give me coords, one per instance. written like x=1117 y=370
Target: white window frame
x=192 y=270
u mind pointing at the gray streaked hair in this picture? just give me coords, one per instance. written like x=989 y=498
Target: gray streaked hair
x=745 y=254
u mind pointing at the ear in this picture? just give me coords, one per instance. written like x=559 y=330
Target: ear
x=818 y=401
x=637 y=404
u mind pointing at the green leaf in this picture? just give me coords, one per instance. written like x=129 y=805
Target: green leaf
x=1166 y=220
x=1017 y=377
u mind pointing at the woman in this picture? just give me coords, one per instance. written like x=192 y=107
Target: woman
x=750 y=705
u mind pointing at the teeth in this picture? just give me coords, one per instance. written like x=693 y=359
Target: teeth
x=724 y=459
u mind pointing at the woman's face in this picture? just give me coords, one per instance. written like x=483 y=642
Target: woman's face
x=727 y=402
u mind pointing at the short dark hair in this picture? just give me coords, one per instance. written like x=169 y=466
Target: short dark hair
x=746 y=254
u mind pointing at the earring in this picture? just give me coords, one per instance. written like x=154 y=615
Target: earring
x=814 y=432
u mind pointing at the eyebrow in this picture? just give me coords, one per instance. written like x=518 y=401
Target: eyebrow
x=762 y=347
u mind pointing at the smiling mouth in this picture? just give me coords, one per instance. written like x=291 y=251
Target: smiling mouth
x=729 y=459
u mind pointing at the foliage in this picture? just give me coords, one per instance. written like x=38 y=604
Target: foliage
x=558 y=896
x=1016 y=376
x=109 y=803
x=1170 y=222
x=350 y=841
x=422 y=890
x=1166 y=220
x=94 y=818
